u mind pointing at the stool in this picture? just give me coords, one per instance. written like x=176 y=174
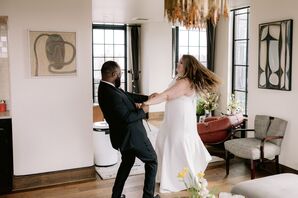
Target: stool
x=105 y=154
x=276 y=186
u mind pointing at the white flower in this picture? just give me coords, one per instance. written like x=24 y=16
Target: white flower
x=195 y=184
x=234 y=105
x=210 y=101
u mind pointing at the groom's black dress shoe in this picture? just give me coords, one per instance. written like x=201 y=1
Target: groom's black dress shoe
x=123 y=196
x=157 y=196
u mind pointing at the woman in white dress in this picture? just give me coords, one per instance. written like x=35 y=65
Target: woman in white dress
x=178 y=144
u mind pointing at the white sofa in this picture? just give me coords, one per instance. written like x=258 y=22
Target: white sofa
x=275 y=186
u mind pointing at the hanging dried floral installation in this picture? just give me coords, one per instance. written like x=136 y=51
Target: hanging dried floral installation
x=195 y=13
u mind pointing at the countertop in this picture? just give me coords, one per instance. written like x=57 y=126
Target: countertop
x=5 y=115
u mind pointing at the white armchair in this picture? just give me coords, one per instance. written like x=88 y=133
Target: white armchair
x=269 y=132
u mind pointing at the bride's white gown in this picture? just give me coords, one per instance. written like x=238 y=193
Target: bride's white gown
x=178 y=144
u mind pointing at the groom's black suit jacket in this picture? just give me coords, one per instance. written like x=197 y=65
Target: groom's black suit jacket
x=125 y=120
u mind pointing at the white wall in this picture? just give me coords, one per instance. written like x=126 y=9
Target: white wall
x=156 y=59
x=222 y=62
x=52 y=116
x=273 y=102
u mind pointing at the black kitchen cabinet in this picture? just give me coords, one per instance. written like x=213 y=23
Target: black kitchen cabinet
x=6 y=159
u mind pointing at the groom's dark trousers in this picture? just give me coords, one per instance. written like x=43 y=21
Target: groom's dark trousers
x=127 y=133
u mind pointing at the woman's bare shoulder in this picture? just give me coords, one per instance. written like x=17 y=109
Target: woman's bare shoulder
x=184 y=81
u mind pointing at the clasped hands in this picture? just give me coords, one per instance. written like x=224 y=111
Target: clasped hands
x=143 y=106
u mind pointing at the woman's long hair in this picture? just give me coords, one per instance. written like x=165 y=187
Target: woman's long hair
x=202 y=79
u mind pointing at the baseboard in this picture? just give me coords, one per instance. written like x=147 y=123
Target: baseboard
x=41 y=180
x=285 y=169
x=156 y=115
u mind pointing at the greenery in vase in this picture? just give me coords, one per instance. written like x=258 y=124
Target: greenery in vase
x=209 y=101
x=200 y=107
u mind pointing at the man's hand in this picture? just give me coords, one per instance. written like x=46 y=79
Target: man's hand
x=138 y=105
x=153 y=95
x=145 y=108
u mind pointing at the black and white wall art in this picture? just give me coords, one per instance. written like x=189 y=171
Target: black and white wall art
x=275 y=55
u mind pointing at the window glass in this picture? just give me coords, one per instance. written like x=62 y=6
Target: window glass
x=109 y=36
x=240 y=78
x=98 y=50
x=118 y=50
x=119 y=37
x=240 y=52
x=241 y=26
x=193 y=42
x=98 y=36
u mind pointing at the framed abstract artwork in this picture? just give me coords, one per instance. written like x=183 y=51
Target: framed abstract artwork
x=275 y=55
x=52 y=53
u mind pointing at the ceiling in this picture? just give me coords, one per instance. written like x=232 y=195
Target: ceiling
x=127 y=11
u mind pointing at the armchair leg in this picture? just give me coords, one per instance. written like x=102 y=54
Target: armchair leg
x=277 y=164
x=252 y=169
x=227 y=162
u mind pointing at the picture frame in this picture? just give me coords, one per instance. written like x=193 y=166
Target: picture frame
x=275 y=55
x=52 y=53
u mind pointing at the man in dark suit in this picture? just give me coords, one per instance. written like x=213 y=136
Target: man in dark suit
x=127 y=132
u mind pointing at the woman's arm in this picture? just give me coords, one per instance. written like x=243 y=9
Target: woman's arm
x=180 y=88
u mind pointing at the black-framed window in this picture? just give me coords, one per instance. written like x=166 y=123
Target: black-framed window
x=109 y=43
x=240 y=55
x=192 y=41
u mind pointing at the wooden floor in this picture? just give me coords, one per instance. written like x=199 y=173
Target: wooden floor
x=215 y=174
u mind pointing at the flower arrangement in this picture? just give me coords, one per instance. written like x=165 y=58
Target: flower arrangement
x=234 y=105
x=210 y=101
x=196 y=185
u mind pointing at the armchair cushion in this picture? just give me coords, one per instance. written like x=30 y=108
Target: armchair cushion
x=261 y=126
x=249 y=148
x=277 y=128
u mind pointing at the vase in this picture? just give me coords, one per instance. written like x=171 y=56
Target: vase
x=208 y=113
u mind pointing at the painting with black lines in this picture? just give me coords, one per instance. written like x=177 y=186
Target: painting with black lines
x=275 y=55
x=52 y=53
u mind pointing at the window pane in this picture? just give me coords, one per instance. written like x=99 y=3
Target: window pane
x=120 y=62
x=183 y=50
x=96 y=76
x=241 y=27
x=122 y=86
x=109 y=59
x=98 y=36
x=194 y=51
x=98 y=50
x=183 y=38
x=204 y=63
x=203 y=38
x=109 y=50
x=119 y=36
x=109 y=34
x=122 y=76
x=194 y=38
x=203 y=54
x=240 y=78
x=97 y=63
x=119 y=50
x=240 y=53
x=95 y=90
x=240 y=96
